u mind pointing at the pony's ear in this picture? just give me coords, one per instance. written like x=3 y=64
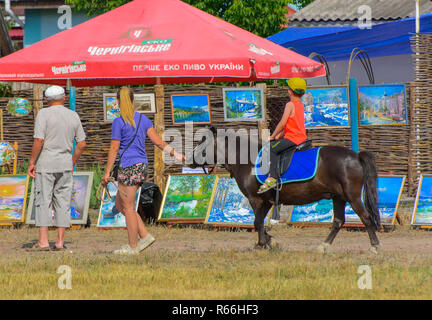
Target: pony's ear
x=213 y=129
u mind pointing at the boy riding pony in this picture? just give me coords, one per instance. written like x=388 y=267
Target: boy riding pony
x=289 y=132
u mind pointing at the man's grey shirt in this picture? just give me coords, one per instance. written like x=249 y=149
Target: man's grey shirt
x=58 y=127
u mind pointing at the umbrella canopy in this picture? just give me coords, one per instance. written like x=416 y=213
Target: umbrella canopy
x=148 y=42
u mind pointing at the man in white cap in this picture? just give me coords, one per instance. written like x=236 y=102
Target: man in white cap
x=51 y=166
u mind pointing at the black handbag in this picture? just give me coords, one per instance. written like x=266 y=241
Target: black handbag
x=117 y=163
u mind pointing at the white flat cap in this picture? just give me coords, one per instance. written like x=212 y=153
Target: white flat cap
x=54 y=92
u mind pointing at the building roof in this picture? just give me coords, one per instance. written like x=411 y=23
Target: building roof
x=342 y=12
x=36 y=3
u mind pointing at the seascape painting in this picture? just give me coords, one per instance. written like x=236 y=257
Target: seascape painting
x=81 y=190
x=111 y=108
x=190 y=108
x=109 y=216
x=326 y=107
x=382 y=105
x=317 y=212
x=243 y=104
x=144 y=103
x=389 y=194
x=229 y=206
x=422 y=214
x=13 y=194
x=19 y=107
x=7 y=153
x=187 y=197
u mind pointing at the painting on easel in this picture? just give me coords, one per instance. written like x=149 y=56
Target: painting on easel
x=13 y=195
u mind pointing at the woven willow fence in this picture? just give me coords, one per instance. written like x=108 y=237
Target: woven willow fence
x=390 y=144
x=421 y=133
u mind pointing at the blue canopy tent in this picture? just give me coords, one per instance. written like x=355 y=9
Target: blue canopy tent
x=337 y=43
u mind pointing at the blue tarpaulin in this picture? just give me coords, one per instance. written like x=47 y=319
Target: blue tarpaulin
x=337 y=43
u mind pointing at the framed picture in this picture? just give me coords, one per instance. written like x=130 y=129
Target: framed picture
x=317 y=212
x=144 y=102
x=13 y=195
x=111 y=108
x=190 y=108
x=229 y=206
x=243 y=104
x=7 y=153
x=109 y=216
x=81 y=192
x=326 y=107
x=422 y=213
x=382 y=105
x=390 y=190
x=187 y=197
x=19 y=107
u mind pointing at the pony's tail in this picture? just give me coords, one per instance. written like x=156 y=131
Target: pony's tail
x=370 y=178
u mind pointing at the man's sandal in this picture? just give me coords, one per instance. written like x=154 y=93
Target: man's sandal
x=37 y=248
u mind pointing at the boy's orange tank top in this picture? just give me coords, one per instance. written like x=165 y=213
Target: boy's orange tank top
x=294 y=129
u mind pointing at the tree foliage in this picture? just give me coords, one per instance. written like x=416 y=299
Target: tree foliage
x=262 y=17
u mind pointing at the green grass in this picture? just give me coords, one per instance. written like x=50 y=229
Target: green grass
x=197 y=263
x=215 y=275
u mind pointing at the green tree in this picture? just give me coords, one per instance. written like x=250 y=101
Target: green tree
x=262 y=17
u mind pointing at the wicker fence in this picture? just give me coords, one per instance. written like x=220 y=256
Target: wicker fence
x=421 y=119
x=390 y=144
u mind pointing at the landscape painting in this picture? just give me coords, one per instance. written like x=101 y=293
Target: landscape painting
x=19 y=107
x=7 y=153
x=187 y=197
x=144 y=103
x=190 y=108
x=229 y=206
x=317 y=212
x=326 y=107
x=389 y=194
x=81 y=191
x=111 y=108
x=243 y=104
x=382 y=105
x=109 y=216
x=422 y=214
x=13 y=195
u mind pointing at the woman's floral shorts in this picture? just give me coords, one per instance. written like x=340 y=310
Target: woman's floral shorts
x=133 y=175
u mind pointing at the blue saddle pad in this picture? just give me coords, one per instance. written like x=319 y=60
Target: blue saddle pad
x=303 y=166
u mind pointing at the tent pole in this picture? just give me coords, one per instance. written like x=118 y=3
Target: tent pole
x=353 y=101
x=72 y=104
x=417 y=11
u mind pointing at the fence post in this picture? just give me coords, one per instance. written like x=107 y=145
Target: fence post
x=354 y=119
x=263 y=123
x=159 y=166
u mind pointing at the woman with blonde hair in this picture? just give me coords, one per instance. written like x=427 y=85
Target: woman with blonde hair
x=129 y=132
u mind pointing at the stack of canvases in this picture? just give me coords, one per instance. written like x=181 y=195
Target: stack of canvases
x=13 y=187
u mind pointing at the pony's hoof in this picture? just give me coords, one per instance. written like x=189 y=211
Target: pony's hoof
x=323 y=248
x=374 y=249
x=262 y=246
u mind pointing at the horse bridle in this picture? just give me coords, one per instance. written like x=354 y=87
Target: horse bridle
x=203 y=166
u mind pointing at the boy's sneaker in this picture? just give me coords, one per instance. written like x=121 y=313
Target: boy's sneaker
x=146 y=242
x=126 y=250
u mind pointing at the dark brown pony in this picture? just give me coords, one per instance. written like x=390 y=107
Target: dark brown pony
x=340 y=176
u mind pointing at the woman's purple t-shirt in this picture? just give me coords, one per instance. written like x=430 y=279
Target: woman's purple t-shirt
x=124 y=132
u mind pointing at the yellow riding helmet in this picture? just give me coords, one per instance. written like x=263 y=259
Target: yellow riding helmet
x=298 y=85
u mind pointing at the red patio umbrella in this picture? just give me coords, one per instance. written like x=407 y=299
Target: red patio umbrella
x=148 y=42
